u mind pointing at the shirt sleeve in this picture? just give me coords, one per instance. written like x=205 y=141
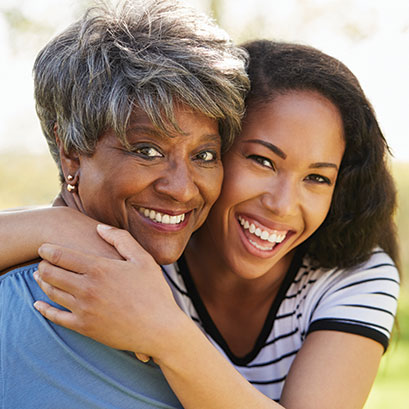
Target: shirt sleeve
x=360 y=301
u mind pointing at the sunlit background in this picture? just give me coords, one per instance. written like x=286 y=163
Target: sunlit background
x=370 y=36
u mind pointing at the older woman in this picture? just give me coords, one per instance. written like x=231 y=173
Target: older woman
x=136 y=105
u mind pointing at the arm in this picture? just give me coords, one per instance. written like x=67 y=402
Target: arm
x=331 y=370
x=22 y=233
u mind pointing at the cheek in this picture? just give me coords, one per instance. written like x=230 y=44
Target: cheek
x=106 y=187
x=212 y=186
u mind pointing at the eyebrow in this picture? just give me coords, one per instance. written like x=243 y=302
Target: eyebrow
x=283 y=155
x=268 y=145
x=323 y=165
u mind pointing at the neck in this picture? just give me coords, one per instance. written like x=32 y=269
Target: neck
x=238 y=306
x=68 y=199
x=215 y=279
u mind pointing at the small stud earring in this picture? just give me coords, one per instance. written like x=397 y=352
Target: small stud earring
x=71 y=187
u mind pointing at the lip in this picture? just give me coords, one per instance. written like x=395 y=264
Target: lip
x=265 y=224
x=161 y=227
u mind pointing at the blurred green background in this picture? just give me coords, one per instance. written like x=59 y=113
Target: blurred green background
x=356 y=31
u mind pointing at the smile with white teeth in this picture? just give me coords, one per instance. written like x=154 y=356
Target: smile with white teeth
x=274 y=237
x=163 y=218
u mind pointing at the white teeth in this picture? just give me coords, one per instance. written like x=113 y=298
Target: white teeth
x=161 y=217
x=272 y=238
x=256 y=245
x=275 y=237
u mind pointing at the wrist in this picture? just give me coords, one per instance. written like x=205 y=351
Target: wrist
x=177 y=341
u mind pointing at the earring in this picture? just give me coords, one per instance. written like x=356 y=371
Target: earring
x=70 y=187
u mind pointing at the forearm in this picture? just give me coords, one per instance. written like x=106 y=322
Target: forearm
x=22 y=233
x=20 y=236
x=202 y=378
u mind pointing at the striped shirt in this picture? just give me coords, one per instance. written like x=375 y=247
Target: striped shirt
x=361 y=300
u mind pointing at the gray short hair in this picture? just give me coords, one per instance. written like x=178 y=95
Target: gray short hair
x=151 y=55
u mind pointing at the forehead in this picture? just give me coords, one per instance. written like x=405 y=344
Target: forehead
x=298 y=122
x=186 y=123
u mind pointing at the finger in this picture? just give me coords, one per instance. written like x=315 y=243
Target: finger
x=143 y=357
x=60 y=278
x=59 y=317
x=55 y=294
x=122 y=240
x=69 y=259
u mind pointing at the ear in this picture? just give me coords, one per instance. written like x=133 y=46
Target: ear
x=70 y=162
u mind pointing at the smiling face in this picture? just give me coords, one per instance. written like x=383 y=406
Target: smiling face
x=279 y=180
x=161 y=189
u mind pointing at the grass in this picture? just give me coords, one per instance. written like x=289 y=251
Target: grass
x=27 y=180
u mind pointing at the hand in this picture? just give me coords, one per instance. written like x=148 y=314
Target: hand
x=123 y=304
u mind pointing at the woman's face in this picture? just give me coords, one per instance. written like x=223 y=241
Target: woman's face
x=279 y=181
x=162 y=189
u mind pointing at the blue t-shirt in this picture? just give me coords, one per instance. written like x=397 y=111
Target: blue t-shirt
x=47 y=366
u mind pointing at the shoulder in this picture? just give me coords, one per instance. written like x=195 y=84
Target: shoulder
x=377 y=272
x=20 y=270
x=18 y=287
x=362 y=299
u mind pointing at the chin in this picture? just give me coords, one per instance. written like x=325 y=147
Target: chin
x=164 y=254
x=164 y=259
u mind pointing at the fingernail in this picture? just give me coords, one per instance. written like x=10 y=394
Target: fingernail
x=104 y=227
x=43 y=249
x=37 y=305
x=36 y=275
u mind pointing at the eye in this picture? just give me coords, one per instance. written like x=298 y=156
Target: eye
x=207 y=156
x=148 y=152
x=319 y=179
x=261 y=160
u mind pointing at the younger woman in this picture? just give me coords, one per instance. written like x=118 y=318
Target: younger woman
x=292 y=278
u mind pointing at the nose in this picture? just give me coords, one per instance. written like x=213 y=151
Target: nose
x=178 y=182
x=281 y=198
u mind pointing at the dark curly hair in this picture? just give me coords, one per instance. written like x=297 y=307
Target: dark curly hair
x=361 y=214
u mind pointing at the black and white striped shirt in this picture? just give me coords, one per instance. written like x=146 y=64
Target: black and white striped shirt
x=362 y=300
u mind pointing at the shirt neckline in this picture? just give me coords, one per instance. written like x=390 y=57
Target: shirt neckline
x=209 y=325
